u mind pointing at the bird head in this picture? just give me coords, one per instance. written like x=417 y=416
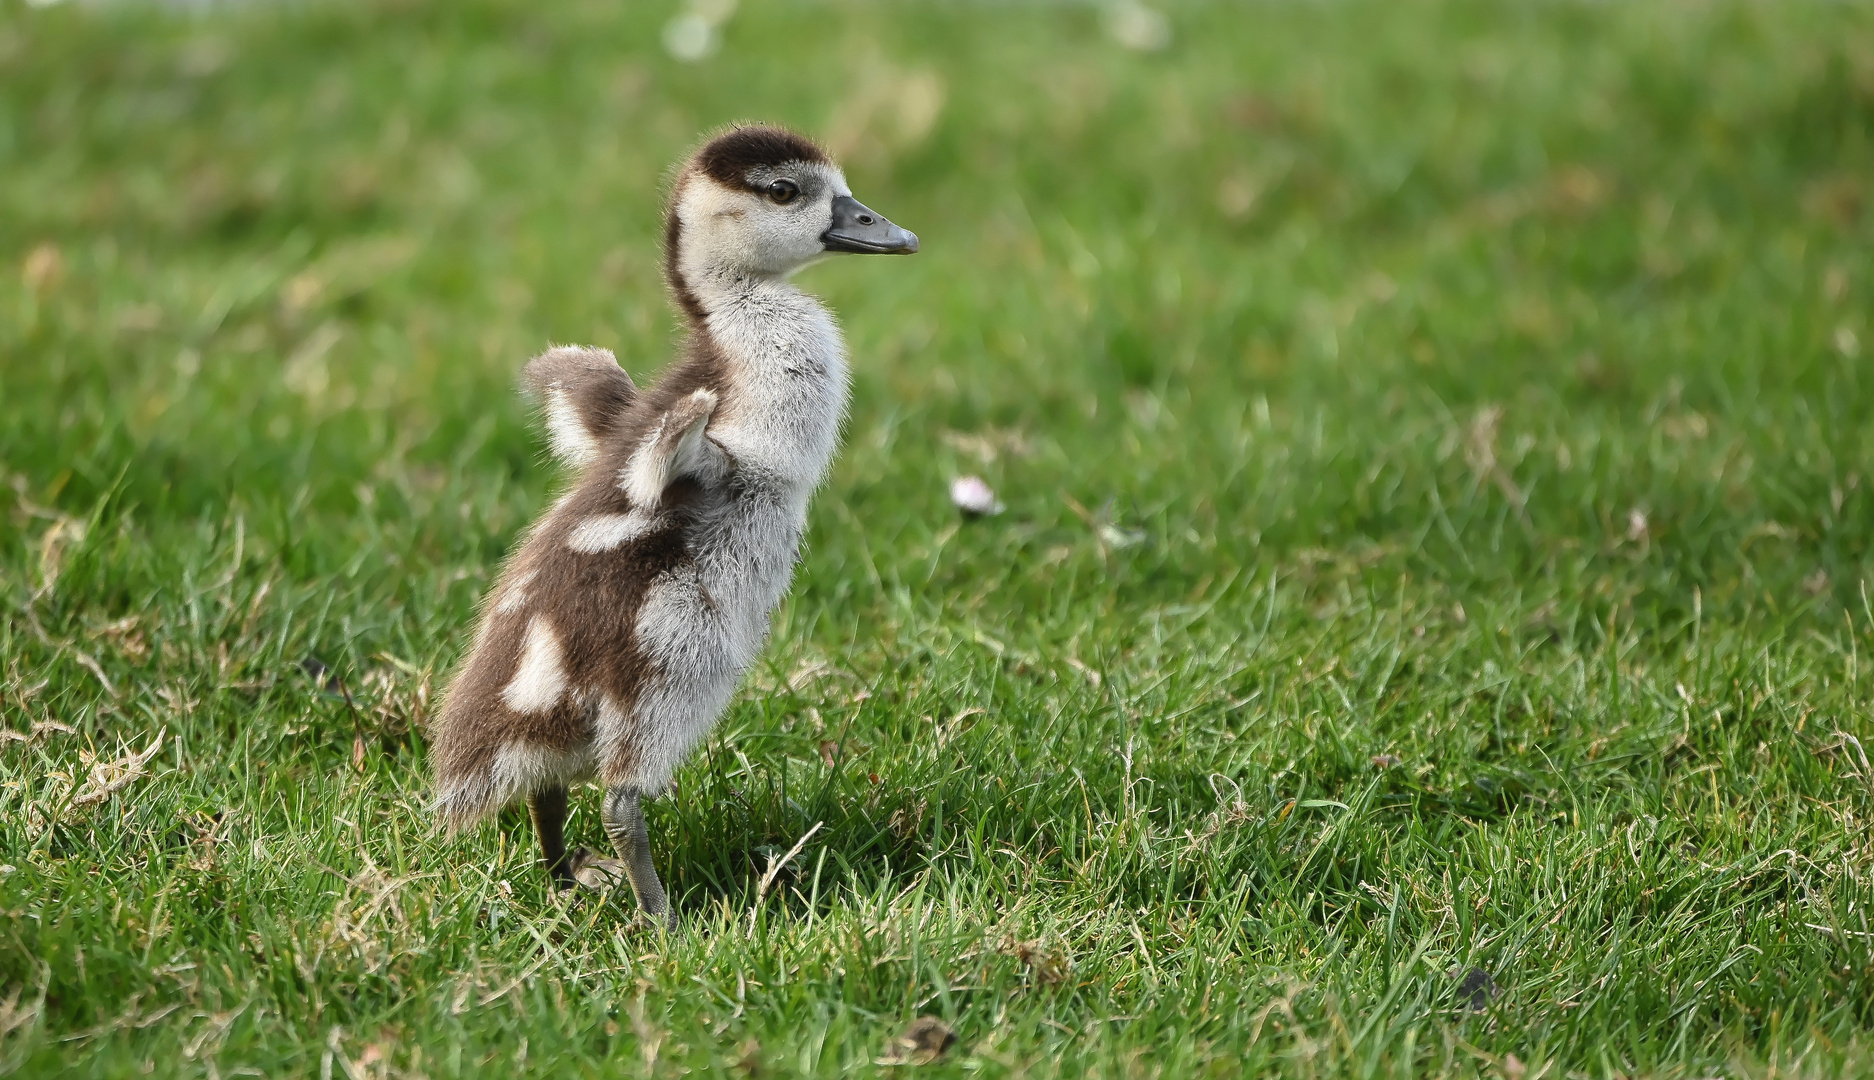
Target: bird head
x=764 y=201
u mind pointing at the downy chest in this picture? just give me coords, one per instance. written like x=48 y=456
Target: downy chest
x=786 y=385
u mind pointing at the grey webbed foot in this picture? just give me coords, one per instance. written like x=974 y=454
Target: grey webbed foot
x=591 y=871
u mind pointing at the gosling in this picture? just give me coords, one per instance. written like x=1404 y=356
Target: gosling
x=617 y=632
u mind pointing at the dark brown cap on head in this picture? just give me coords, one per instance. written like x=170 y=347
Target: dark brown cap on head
x=728 y=158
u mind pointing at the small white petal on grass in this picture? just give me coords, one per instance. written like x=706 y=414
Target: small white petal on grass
x=689 y=37
x=974 y=497
x=1137 y=26
x=695 y=33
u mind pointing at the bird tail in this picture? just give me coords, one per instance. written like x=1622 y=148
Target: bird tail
x=466 y=801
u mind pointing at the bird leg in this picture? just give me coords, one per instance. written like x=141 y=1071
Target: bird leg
x=624 y=823
x=547 y=807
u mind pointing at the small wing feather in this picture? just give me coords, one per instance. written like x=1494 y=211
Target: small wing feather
x=583 y=393
x=675 y=448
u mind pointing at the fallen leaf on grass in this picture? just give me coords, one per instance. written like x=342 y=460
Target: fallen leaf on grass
x=923 y=1042
x=109 y=777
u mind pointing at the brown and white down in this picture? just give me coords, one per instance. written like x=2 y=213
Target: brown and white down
x=618 y=630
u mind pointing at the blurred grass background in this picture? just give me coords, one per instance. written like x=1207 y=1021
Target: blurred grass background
x=1436 y=447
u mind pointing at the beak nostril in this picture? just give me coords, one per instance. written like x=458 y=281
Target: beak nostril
x=865 y=219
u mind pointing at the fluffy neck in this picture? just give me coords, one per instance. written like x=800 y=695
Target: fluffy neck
x=703 y=279
x=764 y=328
x=752 y=318
x=782 y=370
x=713 y=289
x=674 y=276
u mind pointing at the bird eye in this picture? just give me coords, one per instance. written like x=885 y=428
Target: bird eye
x=783 y=192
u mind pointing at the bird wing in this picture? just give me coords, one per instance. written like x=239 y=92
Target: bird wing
x=675 y=448
x=583 y=394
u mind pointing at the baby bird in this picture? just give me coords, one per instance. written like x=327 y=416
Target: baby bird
x=618 y=630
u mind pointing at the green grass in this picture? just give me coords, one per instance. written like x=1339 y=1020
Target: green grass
x=1488 y=382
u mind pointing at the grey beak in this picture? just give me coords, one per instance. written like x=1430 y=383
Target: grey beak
x=856 y=228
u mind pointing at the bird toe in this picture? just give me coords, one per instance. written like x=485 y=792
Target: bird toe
x=592 y=872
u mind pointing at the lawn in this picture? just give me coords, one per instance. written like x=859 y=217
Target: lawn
x=1423 y=637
